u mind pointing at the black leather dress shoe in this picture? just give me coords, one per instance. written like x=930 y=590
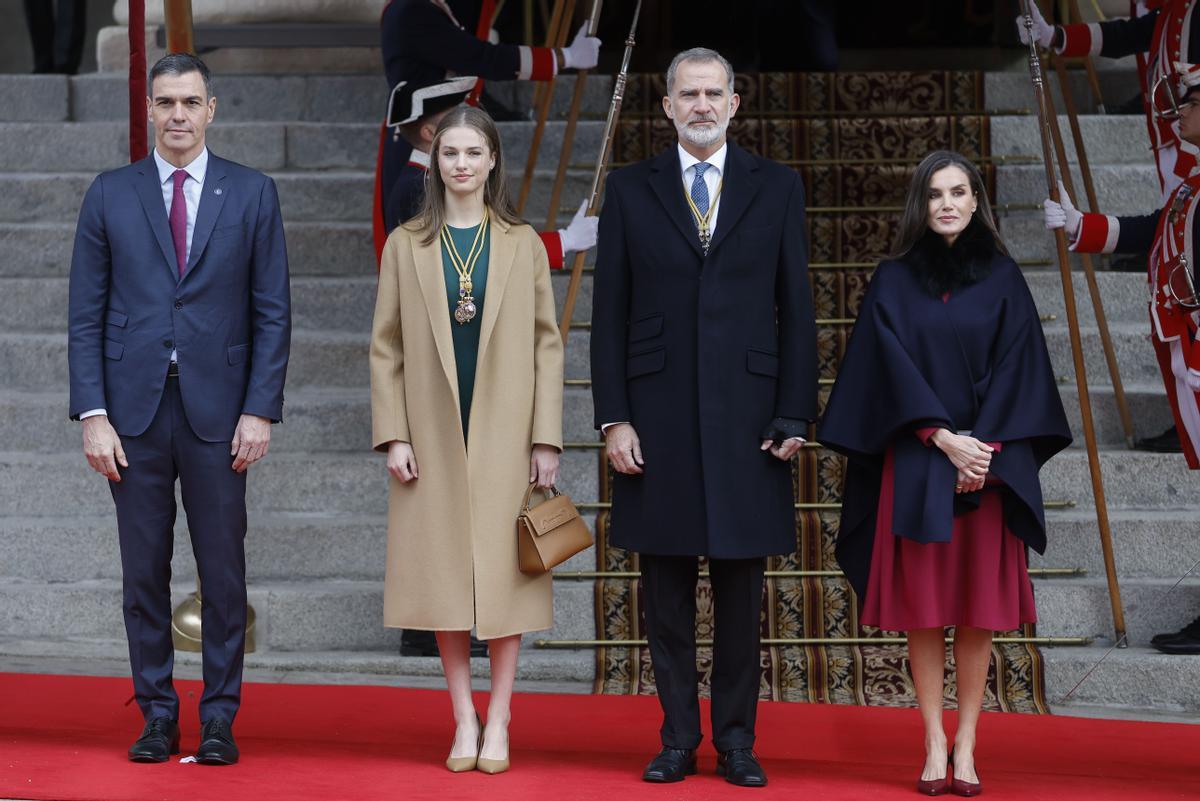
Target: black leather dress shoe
x=216 y=744
x=740 y=766
x=1190 y=631
x=160 y=739
x=671 y=765
x=1166 y=442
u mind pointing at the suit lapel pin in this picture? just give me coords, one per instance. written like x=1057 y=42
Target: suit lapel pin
x=217 y=191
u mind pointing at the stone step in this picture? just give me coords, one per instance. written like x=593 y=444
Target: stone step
x=35 y=250
x=336 y=420
x=34 y=485
x=1123 y=679
x=1107 y=139
x=292 y=616
x=55 y=147
x=1148 y=408
x=345 y=303
x=1011 y=90
x=1123 y=295
x=1081 y=608
x=99 y=97
x=304 y=196
x=1120 y=188
x=279 y=547
x=1146 y=542
x=541 y=670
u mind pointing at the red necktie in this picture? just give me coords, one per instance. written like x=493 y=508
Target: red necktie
x=179 y=220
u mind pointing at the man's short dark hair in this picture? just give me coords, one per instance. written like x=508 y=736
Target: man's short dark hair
x=180 y=64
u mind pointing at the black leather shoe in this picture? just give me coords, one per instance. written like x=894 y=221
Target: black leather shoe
x=671 y=765
x=160 y=739
x=740 y=766
x=216 y=744
x=1166 y=442
x=1184 y=643
x=1190 y=631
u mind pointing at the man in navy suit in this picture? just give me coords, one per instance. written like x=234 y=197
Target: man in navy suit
x=704 y=380
x=179 y=329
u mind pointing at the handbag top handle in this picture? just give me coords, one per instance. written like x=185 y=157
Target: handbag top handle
x=550 y=493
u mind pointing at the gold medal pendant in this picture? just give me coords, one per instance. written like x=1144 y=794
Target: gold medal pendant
x=465 y=311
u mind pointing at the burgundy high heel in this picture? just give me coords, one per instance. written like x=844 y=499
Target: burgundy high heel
x=960 y=787
x=935 y=786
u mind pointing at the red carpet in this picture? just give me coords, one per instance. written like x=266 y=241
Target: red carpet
x=65 y=737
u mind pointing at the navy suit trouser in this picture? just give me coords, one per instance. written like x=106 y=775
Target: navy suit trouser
x=214 y=498
x=669 y=597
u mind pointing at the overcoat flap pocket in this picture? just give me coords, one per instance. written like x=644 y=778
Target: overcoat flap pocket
x=762 y=362
x=644 y=363
x=114 y=317
x=113 y=350
x=645 y=328
x=237 y=354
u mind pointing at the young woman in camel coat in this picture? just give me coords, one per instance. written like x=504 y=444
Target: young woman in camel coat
x=454 y=498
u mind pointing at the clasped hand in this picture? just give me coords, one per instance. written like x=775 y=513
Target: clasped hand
x=970 y=457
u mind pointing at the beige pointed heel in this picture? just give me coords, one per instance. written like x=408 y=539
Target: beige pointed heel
x=464 y=764
x=490 y=766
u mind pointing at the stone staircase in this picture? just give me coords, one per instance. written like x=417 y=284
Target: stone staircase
x=316 y=542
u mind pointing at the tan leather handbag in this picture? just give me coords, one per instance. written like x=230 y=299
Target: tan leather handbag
x=550 y=533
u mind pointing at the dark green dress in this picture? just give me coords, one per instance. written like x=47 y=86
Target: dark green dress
x=466 y=337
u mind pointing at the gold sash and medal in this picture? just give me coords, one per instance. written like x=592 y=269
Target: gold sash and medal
x=465 y=311
x=703 y=221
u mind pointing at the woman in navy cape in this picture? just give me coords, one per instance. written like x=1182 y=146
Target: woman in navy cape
x=946 y=407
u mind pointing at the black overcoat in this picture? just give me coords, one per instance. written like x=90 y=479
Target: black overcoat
x=702 y=354
x=977 y=362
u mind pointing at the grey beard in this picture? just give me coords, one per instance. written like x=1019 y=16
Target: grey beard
x=702 y=137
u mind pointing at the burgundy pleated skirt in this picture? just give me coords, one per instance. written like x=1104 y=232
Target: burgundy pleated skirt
x=979 y=578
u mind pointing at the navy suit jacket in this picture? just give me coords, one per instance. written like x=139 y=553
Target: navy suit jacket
x=228 y=317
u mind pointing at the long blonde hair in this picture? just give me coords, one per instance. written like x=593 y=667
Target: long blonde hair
x=432 y=215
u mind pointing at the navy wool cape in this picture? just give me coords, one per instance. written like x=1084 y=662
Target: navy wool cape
x=976 y=362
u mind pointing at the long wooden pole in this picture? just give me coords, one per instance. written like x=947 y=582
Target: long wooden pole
x=564 y=155
x=1081 y=385
x=177 y=17
x=560 y=23
x=1089 y=270
x=1089 y=64
x=610 y=130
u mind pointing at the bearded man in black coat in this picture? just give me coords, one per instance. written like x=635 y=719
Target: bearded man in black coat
x=704 y=380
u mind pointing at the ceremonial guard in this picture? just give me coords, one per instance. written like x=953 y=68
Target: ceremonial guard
x=1160 y=37
x=414 y=112
x=427 y=41
x=1163 y=34
x=1170 y=239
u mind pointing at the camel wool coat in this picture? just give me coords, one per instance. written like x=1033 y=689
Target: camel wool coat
x=452 y=541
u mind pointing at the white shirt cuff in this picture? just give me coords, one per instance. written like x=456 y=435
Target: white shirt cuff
x=93 y=413
x=605 y=426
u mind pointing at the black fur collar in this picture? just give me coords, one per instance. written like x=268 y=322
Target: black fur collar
x=941 y=268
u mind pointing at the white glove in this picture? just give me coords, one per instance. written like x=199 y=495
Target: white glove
x=581 y=233
x=1062 y=215
x=583 y=52
x=1043 y=32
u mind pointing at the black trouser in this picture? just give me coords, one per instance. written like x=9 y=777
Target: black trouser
x=214 y=497
x=56 y=31
x=669 y=596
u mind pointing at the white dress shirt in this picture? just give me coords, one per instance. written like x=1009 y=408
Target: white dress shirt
x=712 y=177
x=193 y=185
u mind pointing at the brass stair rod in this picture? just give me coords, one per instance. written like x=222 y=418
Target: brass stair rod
x=798 y=641
x=900 y=162
x=820 y=507
x=544 y=96
x=588 y=575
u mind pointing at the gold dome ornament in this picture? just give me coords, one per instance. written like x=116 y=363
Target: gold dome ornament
x=185 y=624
